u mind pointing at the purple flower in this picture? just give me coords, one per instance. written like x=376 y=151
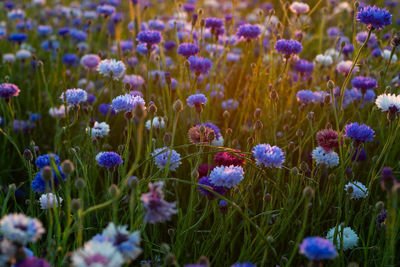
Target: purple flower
x=359 y=132
x=304 y=66
x=7 y=90
x=199 y=65
x=205 y=181
x=126 y=102
x=214 y=23
x=196 y=100
x=305 y=96
x=374 y=17
x=318 y=248
x=149 y=37
x=74 y=97
x=90 y=61
x=269 y=156
x=288 y=47
x=157 y=209
x=248 y=32
x=364 y=83
x=32 y=262
x=188 y=49
x=106 y=10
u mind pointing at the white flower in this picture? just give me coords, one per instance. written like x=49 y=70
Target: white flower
x=386 y=55
x=112 y=68
x=299 y=8
x=359 y=190
x=345 y=66
x=324 y=60
x=99 y=130
x=218 y=142
x=329 y=158
x=386 y=101
x=158 y=123
x=20 y=228
x=8 y=58
x=23 y=54
x=97 y=254
x=333 y=54
x=47 y=201
x=350 y=238
x=57 y=112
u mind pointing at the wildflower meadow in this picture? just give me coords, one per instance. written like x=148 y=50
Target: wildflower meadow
x=199 y=133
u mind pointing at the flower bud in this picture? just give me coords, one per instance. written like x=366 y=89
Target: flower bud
x=178 y=106
x=113 y=191
x=308 y=192
x=67 y=167
x=47 y=173
x=80 y=184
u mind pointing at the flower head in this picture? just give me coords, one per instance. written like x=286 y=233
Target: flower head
x=388 y=102
x=305 y=96
x=74 y=97
x=165 y=156
x=157 y=209
x=7 y=90
x=205 y=181
x=97 y=254
x=327 y=139
x=149 y=37
x=188 y=49
x=288 y=47
x=32 y=262
x=45 y=160
x=199 y=65
x=358 y=190
x=99 y=130
x=227 y=176
x=127 y=243
x=364 y=83
x=126 y=102
x=248 y=32
x=108 y=159
x=39 y=184
x=269 y=156
x=374 y=17
x=318 y=248
x=350 y=238
x=111 y=68
x=196 y=100
x=299 y=7
x=227 y=159
x=90 y=61
x=327 y=158
x=21 y=229
x=48 y=201
x=359 y=132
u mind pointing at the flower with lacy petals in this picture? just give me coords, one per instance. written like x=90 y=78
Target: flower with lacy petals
x=248 y=32
x=157 y=209
x=97 y=254
x=165 y=156
x=8 y=90
x=387 y=102
x=374 y=17
x=127 y=243
x=108 y=159
x=99 y=130
x=299 y=8
x=288 y=47
x=269 y=156
x=126 y=102
x=359 y=132
x=358 y=190
x=48 y=201
x=323 y=157
x=21 y=229
x=111 y=68
x=227 y=176
x=349 y=237
x=74 y=97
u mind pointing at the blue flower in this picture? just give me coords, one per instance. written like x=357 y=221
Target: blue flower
x=205 y=181
x=199 y=65
x=149 y=37
x=70 y=59
x=39 y=184
x=364 y=83
x=196 y=100
x=288 y=47
x=304 y=66
x=44 y=30
x=374 y=17
x=105 y=109
x=45 y=160
x=78 y=35
x=227 y=176
x=318 y=248
x=32 y=262
x=244 y=264
x=188 y=49
x=74 y=97
x=21 y=229
x=108 y=159
x=165 y=155
x=106 y=10
x=269 y=156
x=248 y=31
x=359 y=132
x=17 y=37
x=126 y=102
